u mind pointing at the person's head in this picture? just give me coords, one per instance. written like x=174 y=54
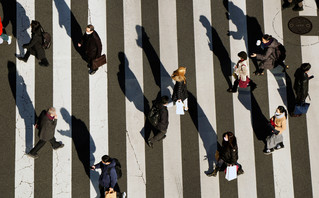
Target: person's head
x=52 y=111
x=179 y=74
x=89 y=29
x=35 y=25
x=230 y=138
x=105 y=159
x=266 y=38
x=305 y=67
x=281 y=110
x=242 y=55
x=164 y=100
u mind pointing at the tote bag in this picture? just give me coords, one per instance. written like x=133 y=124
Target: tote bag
x=179 y=108
x=231 y=172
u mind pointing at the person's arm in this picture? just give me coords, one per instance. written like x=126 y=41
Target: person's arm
x=234 y=155
x=98 y=165
x=266 y=55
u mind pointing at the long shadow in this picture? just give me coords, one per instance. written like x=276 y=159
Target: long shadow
x=9 y=8
x=80 y=136
x=216 y=45
x=21 y=28
x=74 y=31
x=23 y=102
x=291 y=99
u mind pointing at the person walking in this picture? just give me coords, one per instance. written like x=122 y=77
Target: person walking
x=46 y=124
x=160 y=128
x=91 y=45
x=180 y=88
x=3 y=36
x=228 y=154
x=241 y=74
x=279 y=123
x=301 y=85
x=35 y=47
x=298 y=5
x=274 y=54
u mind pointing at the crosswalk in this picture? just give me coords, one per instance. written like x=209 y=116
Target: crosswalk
x=104 y=113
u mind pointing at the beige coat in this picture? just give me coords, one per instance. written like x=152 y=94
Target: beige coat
x=281 y=124
x=241 y=70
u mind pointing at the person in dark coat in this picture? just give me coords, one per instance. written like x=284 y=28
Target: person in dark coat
x=34 y=47
x=161 y=128
x=91 y=45
x=108 y=177
x=180 y=89
x=298 y=5
x=301 y=84
x=46 y=124
x=228 y=154
x=271 y=57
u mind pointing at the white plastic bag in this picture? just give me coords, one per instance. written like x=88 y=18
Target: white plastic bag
x=179 y=108
x=231 y=172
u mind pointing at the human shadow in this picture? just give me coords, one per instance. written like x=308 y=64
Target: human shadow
x=84 y=148
x=280 y=77
x=216 y=45
x=22 y=25
x=74 y=31
x=291 y=98
x=23 y=101
x=9 y=8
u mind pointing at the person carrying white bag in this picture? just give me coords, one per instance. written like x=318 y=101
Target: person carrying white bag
x=180 y=95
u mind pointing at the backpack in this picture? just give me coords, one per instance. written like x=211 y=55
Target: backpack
x=280 y=51
x=154 y=115
x=117 y=168
x=46 y=39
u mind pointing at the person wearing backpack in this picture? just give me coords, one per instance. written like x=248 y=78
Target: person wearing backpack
x=159 y=121
x=111 y=171
x=274 y=54
x=35 y=46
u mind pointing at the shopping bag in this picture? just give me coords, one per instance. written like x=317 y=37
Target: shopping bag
x=243 y=84
x=96 y=63
x=231 y=172
x=110 y=194
x=301 y=109
x=179 y=108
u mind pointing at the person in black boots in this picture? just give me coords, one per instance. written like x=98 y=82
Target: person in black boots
x=161 y=128
x=228 y=154
x=91 y=45
x=298 y=5
x=35 y=47
x=46 y=124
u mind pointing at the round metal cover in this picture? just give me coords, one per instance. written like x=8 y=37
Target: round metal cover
x=300 y=25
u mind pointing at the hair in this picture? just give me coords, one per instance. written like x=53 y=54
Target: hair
x=305 y=67
x=51 y=110
x=105 y=158
x=282 y=110
x=35 y=26
x=179 y=74
x=164 y=99
x=242 y=55
x=91 y=27
x=267 y=37
x=232 y=141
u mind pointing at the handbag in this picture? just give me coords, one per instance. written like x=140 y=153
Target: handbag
x=109 y=194
x=231 y=172
x=244 y=84
x=179 y=108
x=301 y=109
x=98 y=62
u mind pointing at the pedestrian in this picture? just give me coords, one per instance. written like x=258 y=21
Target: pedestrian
x=180 y=88
x=3 y=36
x=46 y=124
x=108 y=177
x=35 y=46
x=298 y=5
x=228 y=154
x=161 y=126
x=279 y=123
x=241 y=73
x=274 y=54
x=91 y=46
x=301 y=85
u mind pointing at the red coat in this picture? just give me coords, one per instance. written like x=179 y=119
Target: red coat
x=0 y=26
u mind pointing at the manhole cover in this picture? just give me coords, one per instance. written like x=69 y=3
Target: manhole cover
x=300 y=25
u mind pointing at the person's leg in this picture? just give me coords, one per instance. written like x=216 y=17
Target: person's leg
x=55 y=145
x=234 y=87
x=158 y=136
x=38 y=146
x=298 y=6
x=185 y=104
x=26 y=56
x=102 y=191
x=219 y=164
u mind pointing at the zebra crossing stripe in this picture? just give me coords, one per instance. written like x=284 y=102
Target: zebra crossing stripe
x=24 y=139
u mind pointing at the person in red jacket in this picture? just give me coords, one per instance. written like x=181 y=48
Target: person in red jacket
x=4 y=37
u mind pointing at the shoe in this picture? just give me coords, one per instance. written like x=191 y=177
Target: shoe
x=214 y=173
x=162 y=138
x=35 y=156
x=22 y=59
x=286 y=5
x=230 y=90
x=43 y=63
x=123 y=194
x=268 y=151
x=240 y=171
x=150 y=144
x=91 y=72
x=9 y=40
x=280 y=146
x=60 y=146
x=297 y=8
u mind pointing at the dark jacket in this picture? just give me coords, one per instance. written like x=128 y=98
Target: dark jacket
x=108 y=177
x=163 y=122
x=35 y=44
x=46 y=126
x=301 y=85
x=180 y=91
x=268 y=59
x=92 y=46
x=229 y=154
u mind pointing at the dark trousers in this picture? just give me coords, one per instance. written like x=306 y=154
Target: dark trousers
x=158 y=136
x=41 y=143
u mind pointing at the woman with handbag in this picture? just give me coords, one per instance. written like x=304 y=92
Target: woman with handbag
x=279 y=124
x=180 y=89
x=228 y=154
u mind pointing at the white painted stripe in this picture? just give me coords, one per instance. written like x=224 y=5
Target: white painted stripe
x=98 y=95
x=62 y=158
x=310 y=55
x=310 y=8
x=242 y=104
x=172 y=154
x=205 y=88
x=277 y=96
x=25 y=89
x=135 y=144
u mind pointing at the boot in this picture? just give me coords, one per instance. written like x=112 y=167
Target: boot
x=44 y=62
x=26 y=57
x=214 y=173
x=240 y=171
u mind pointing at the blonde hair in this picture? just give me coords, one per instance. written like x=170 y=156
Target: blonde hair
x=179 y=74
x=51 y=110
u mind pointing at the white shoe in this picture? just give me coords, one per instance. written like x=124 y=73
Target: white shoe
x=9 y=40
x=123 y=194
